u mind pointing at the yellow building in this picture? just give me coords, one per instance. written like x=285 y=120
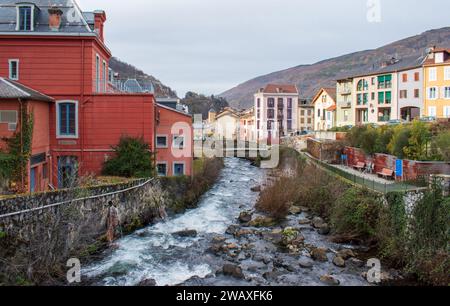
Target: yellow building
x=437 y=84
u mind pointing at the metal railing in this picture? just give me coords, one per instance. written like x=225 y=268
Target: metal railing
x=370 y=183
x=119 y=86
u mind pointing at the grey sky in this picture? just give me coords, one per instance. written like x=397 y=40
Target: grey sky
x=209 y=46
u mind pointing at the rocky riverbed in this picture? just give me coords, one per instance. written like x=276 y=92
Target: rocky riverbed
x=225 y=242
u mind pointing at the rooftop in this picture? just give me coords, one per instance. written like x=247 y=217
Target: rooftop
x=280 y=88
x=13 y=90
x=73 y=19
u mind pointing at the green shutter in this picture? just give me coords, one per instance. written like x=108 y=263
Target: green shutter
x=381 y=97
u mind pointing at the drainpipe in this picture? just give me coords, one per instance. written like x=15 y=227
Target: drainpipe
x=81 y=126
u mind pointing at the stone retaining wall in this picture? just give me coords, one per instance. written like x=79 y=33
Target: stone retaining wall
x=38 y=242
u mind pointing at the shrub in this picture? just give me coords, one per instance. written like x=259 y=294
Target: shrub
x=278 y=198
x=428 y=245
x=399 y=141
x=442 y=144
x=132 y=159
x=356 y=212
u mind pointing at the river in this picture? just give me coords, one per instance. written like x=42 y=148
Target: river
x=155 y=253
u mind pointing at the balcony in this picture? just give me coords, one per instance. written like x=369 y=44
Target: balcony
x=122 y=86
x=345 y=91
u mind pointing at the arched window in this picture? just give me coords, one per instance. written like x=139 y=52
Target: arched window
x=362 y=85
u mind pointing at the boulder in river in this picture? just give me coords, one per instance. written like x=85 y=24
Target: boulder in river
x=186 y=233
x=232 y=270
x=346 y=254
x=305 y=263
x=147 y=283
x=262 y=222
x=256 y=189
x=324 y=229
x=319 y=254
x=232 y=229
x=295 y=210
x=245 y=217
x=329 y=280
x=317 y=222
x=339 y=261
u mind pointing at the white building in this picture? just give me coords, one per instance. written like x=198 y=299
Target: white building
x=276 y=108
x=325 y=109
x=410 y=93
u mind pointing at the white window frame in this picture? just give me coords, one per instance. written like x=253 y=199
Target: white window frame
x=432 y=111
x=181 y=163
x=58 y=135
x=447 y=73
x=446 y=111
x=432 y=74
x=10 y=61
x=446 y=89
x=12 y=126
x=161 y=163
x=97 y=73
x=174 y=143
x=429 y=93
x=105 y=75
x=167 y=141
x=33 y=8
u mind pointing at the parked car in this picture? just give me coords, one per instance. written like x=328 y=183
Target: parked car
x=428 y=119
x=396 y=122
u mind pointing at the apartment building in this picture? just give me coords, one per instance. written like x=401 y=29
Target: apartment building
x=305 y=116
x=437 y=84
x=345 y=109
x=276 y=108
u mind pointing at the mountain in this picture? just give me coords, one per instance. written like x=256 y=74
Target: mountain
x=310 y=78
x=201 y=104
x=127 y=71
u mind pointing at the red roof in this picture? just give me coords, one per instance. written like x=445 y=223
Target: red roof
x=331 y=108
x=279 y=88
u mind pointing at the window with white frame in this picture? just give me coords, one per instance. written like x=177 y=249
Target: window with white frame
x=432 y=93
x=447 y=73
x=14 y=69
x=10 y=118
x=446 y=92
x=447 y=111
x=432 y=74
x=432 y=111
x=67 y=119
x=97 y=73
x=25 y=18
x=161 y=168
x=178 y=141
x=105 y=76
x=161 y=141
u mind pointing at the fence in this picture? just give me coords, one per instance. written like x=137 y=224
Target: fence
x=370 y=183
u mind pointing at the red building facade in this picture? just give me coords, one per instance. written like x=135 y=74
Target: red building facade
x=62 y=54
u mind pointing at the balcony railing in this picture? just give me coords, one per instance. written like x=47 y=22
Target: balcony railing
x=120 y=86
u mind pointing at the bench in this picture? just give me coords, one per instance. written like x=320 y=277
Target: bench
x=359 y=166
x=386 y=173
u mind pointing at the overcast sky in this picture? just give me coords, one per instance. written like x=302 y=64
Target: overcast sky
x=209 y=46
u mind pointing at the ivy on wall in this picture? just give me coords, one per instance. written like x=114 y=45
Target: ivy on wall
x=14 y=162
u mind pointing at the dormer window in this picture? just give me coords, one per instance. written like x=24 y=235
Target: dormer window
x=25 y=17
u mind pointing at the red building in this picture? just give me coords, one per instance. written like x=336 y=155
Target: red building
x=59 y=52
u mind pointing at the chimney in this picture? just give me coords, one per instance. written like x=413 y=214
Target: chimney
x=54 y=18
x=99 y=20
